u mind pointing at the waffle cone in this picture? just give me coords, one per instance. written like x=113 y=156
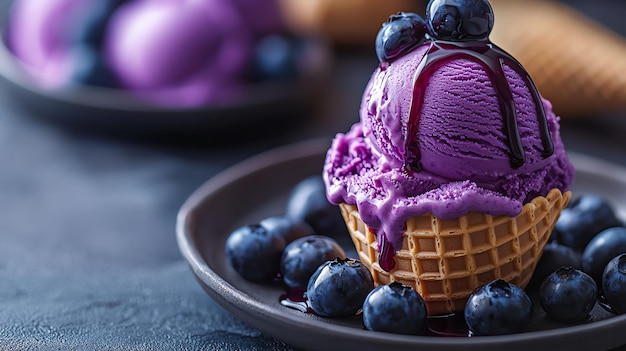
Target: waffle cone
x=445 y=260
x=575 y=62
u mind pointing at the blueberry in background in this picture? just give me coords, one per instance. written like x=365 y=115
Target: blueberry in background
x=554 y=257
x=286 y=228
x=614 y=284
x=585 y=217
x=568 y=295
x=399 y=35
x=601 y=249
x=85 y=36
x=339 y=287
x=394 y=308
x=459 y=20
x=89 y=28
x=498 y=308
x=308 y=203
x=90 y=68
x=254 y=253
x=276 y=57
x=303 y=256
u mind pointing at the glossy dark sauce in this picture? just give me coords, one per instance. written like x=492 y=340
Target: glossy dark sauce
x=452 y=325
x=602 y=302
x=491 y=58
x=386 y=254
x=296 y=299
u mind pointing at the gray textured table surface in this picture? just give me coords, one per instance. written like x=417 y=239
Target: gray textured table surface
x=88 y=257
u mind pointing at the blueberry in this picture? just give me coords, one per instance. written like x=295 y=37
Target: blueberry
x=394 y=308
x=497 y=308
x=90 y=69
x=399 y=35
x=459 y=20
x=308 y=203
x=89 y=28
x=614 y=284
x=276 y=58
x=601 y=249
x=286 y=228
x=254 y=252
x=85 y=36
x=585 y=217
x=303 y=256
x=568 y=295
x=339 y=288
x=554 y=257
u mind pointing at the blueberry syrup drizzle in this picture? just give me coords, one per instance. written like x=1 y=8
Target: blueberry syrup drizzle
x=491 y=58
x=296 y=300
x=386 y=254
x=602 y=302
x=450 y=325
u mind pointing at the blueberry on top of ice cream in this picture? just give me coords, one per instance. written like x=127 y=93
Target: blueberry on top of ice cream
x=400 y=34
x=459 y=20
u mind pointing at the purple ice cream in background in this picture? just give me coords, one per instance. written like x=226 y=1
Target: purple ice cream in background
x=38 y=37
x=464 y=162
x=168 y=52
x=179 y=52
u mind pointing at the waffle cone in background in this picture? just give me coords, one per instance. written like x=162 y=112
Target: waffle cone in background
x=344 y=22
x=445 y=260
x=577 y=64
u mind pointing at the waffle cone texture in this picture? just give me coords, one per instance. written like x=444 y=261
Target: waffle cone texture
x=445 y=260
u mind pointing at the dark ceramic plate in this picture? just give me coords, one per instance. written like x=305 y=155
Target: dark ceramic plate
x=111 y=111
x=258 y=187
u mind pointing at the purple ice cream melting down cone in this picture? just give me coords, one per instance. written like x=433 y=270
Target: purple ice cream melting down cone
x=450 y=127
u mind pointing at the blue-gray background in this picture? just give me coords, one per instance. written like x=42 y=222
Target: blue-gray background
x=88 y=256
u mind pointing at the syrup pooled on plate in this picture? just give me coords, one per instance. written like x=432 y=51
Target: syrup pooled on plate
x=297 y=300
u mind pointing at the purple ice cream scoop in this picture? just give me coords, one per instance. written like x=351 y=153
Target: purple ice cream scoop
x=433 y=139
x=179 y=52
x=38 y=35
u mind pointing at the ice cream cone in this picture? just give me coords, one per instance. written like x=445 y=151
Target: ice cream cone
x=445 y=260
x=576 y=63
